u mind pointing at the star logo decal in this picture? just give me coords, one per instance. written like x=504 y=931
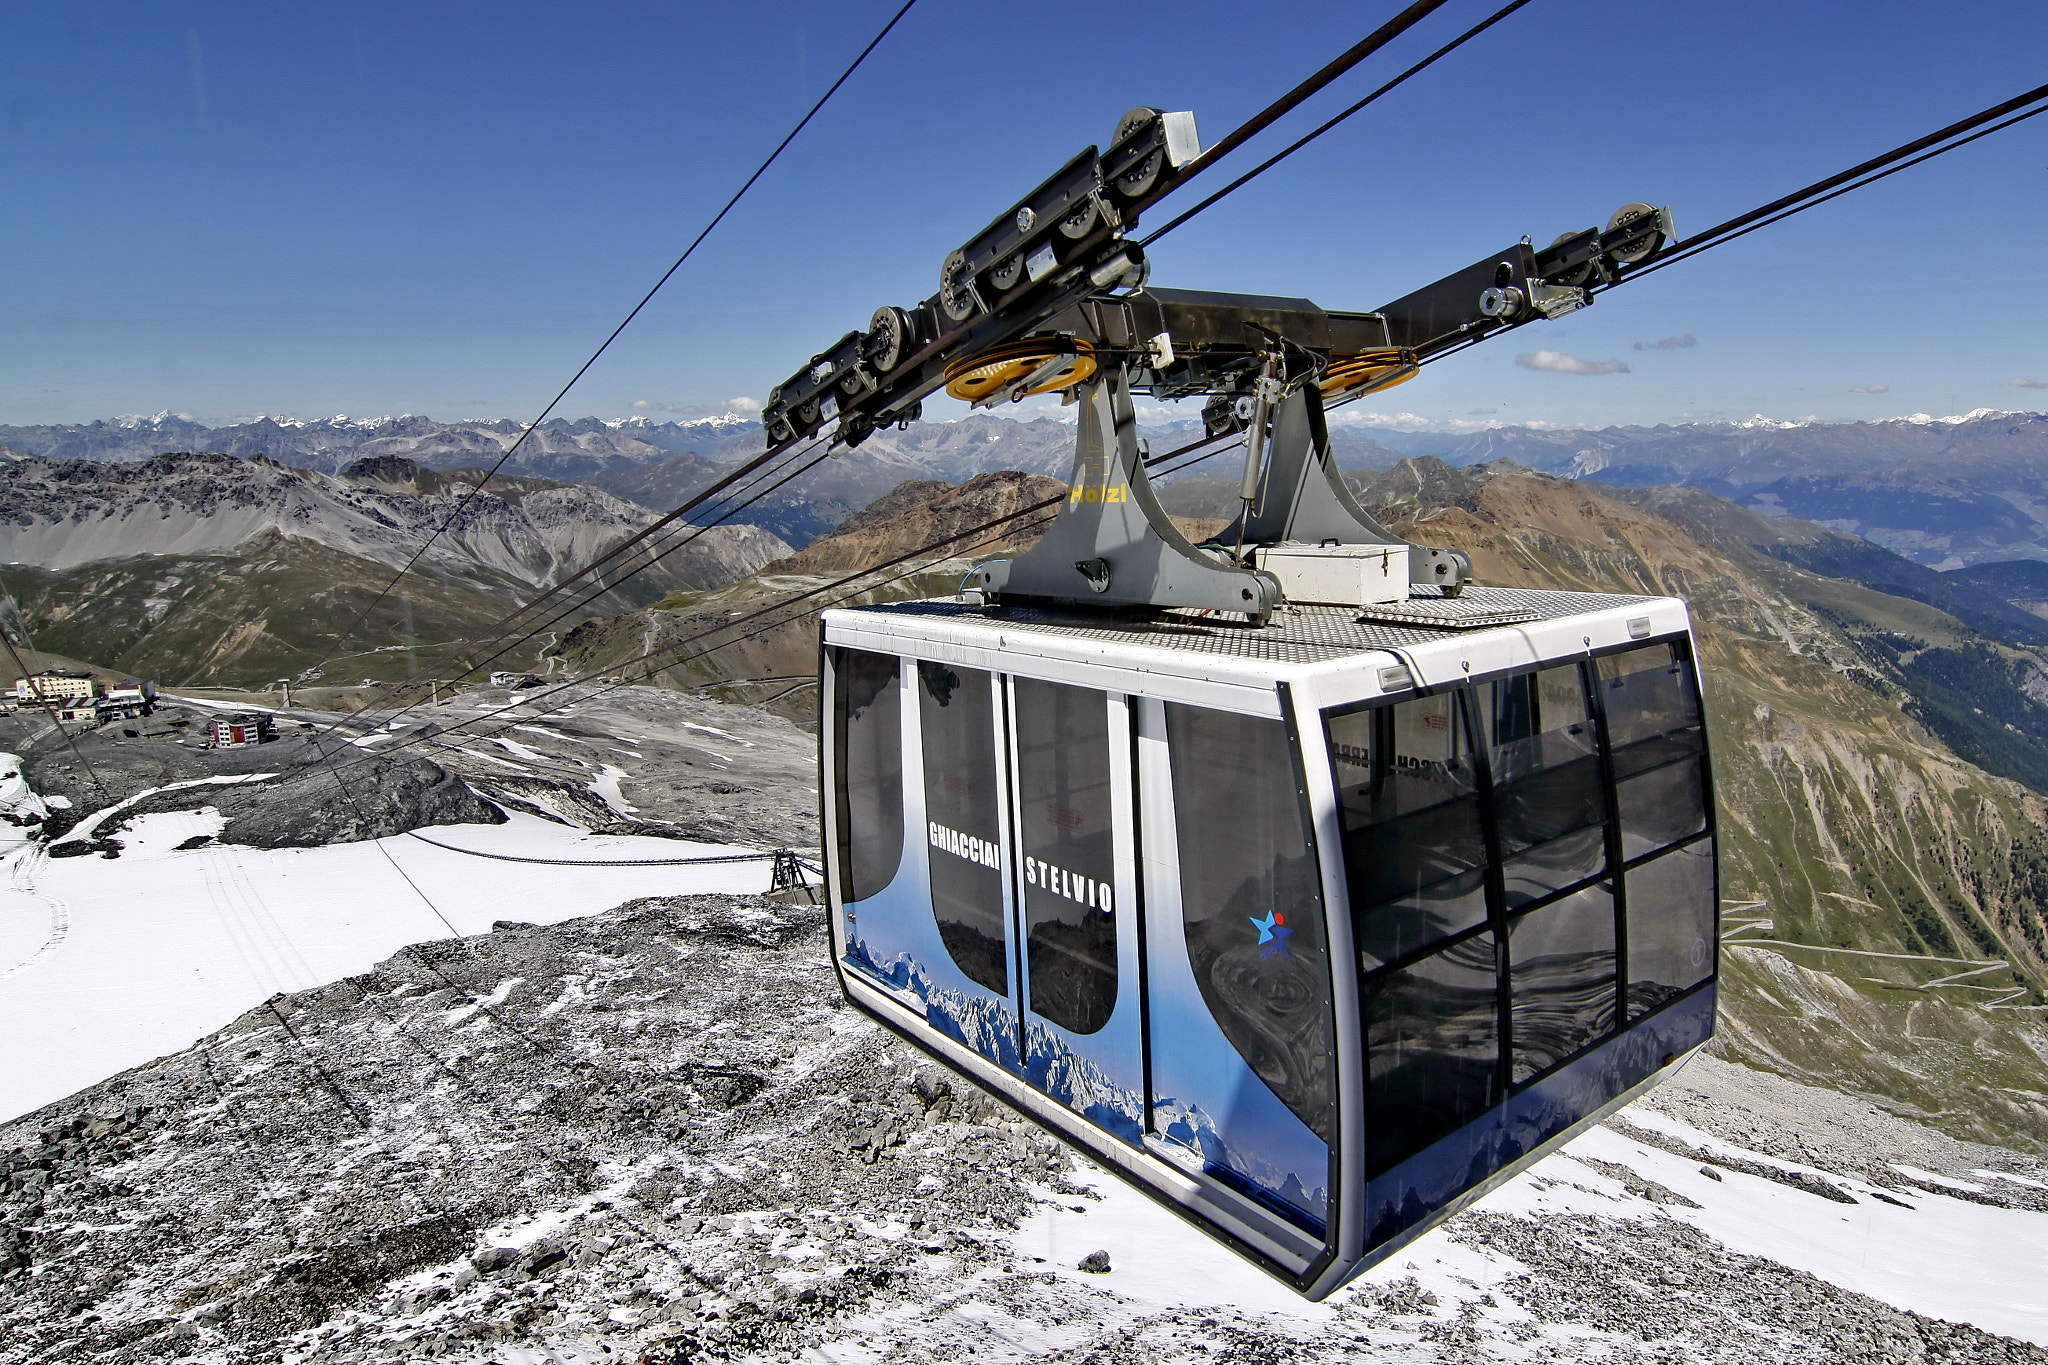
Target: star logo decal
x=1273 y=933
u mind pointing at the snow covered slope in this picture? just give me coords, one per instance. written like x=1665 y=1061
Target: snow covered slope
x=658 y=1134
x=163 y=945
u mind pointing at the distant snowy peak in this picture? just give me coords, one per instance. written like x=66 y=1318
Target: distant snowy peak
x=136 y=422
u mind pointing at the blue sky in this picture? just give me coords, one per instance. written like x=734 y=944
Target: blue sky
x=225 y=209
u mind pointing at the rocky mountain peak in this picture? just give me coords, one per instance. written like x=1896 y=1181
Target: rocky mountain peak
x=920 y=512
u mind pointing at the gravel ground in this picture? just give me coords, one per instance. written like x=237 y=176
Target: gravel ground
x=658 y=1135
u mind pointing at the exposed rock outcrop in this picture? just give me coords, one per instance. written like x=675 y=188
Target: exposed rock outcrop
x=356 y=799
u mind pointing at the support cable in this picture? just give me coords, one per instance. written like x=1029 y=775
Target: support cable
x=1270 y=162
x=1890 y=163
x=1869 y=173
x=1265 y=118
x=688 y=251
x=1330 y=72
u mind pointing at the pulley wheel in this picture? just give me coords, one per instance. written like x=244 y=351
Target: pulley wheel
x=888 y=339
x=1365 y=371
x=1644 y=248
x=1077 y=223
x=1579 y=276
x=1007 y=272
x=1139 y=179
x=1001 y=366
x=956 y=288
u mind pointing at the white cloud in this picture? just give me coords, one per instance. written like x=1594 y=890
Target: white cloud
x=1557 y=362
x=2029 y=384
x=1885 y=388
x=738 y=407
x=1682 y=343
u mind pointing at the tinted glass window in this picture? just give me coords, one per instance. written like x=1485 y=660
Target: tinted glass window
x=1064 y=833
x=1672 y=925
x=869 y=735
x=1252 y=902
x=1560 y=979
x=1433 y=1050
x=962 y=804
x=1414 y=850
x=1549 y=797
x=1653 y=708
x=1662 y=806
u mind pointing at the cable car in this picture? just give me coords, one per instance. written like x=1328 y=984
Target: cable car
x=1307 y=886
x=1313 y=931
x=1303 y=883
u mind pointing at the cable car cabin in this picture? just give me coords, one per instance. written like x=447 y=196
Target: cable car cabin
x=1314 y=930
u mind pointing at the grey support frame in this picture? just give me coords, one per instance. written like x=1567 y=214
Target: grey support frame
x=1113 y=544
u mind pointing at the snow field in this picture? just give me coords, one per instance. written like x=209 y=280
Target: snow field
x=1942 y=1257
x=165 y=946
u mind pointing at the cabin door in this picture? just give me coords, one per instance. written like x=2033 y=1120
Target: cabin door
x=1074 y=899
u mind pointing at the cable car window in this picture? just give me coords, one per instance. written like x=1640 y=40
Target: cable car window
x=962 y=791
x=1661 y=807
x=1251 y=901
x=1432 y=1050
x=1414 y=849
x=1671 y=925
x=1653 y=708
x=868 y=734
x=1560 y=979
x=1548 y=797
x=1064 y=835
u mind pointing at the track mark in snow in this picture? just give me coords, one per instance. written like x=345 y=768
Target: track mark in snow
x=23 y=884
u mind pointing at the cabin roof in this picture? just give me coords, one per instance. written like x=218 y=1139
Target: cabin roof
x=1296 y=634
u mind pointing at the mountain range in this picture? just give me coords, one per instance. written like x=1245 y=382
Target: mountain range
x=208 y=567
x=1947 y=492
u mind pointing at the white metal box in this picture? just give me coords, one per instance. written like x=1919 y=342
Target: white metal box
x=1338 y=575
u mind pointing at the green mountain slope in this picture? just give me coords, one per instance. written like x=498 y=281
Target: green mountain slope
x=1857 y=832
x=267 y=610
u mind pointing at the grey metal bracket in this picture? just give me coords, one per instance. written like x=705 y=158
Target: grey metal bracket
x=1113 y=544
x=1303 y=498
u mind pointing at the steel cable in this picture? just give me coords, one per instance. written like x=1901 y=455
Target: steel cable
x=688 y=251
x=1270 y=162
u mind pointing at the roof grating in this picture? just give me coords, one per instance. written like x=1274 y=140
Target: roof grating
x=1296 y=634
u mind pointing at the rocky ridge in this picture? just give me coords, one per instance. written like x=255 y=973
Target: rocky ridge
x=59 y=515
x=203 y=568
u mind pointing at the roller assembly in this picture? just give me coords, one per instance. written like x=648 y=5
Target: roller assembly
x=1052 y=297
